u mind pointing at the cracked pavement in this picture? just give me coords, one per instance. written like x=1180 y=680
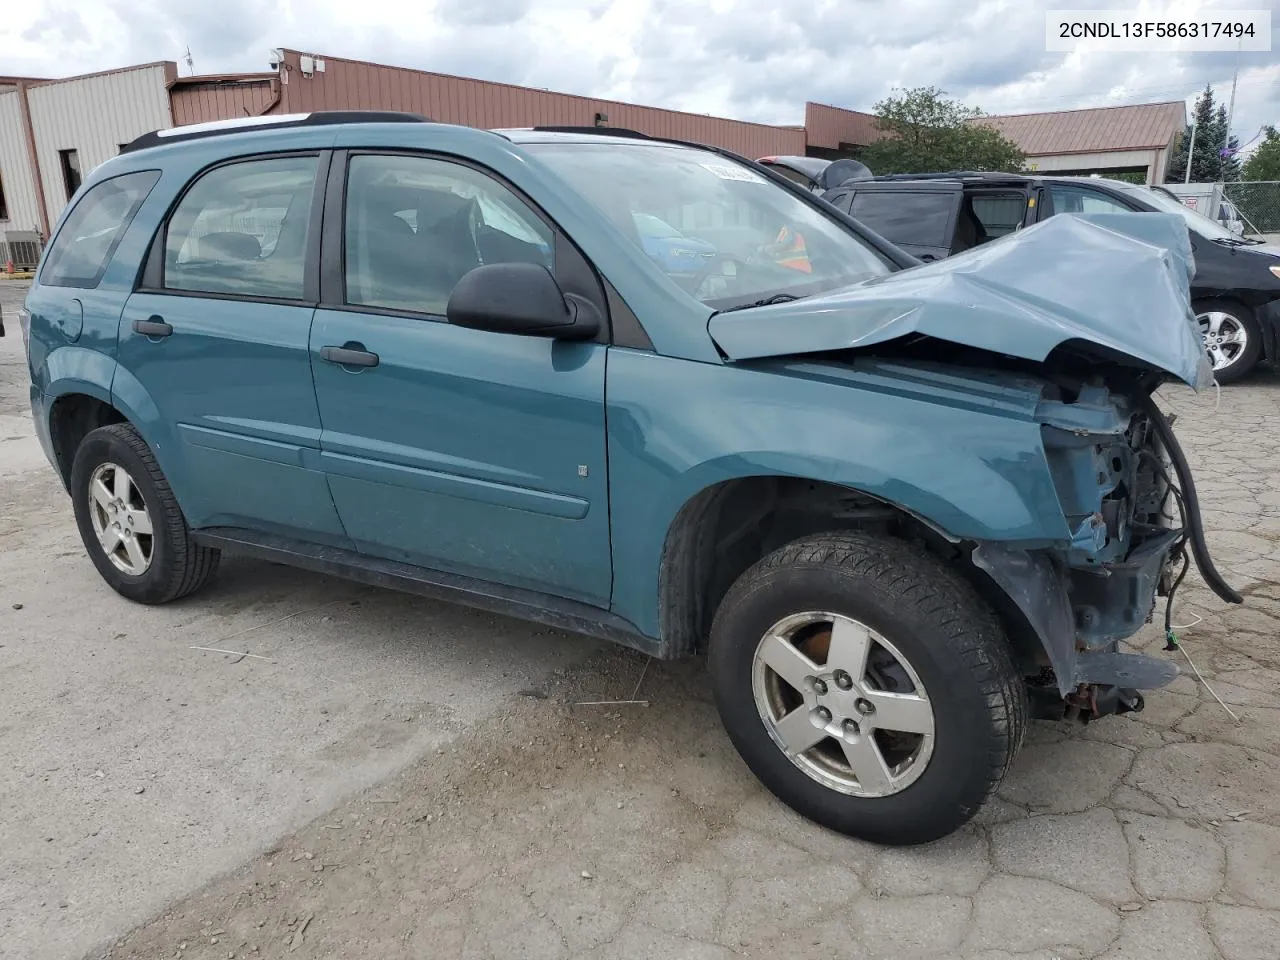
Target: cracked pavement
x=550 y=829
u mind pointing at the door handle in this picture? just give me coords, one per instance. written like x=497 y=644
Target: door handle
x=349 y=358
x=153 y=326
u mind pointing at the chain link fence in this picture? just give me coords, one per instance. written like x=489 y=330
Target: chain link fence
x=1259 y=202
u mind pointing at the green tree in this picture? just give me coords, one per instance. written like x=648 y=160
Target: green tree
x=923 y=131
x=1264 y=163
x=1208 y=165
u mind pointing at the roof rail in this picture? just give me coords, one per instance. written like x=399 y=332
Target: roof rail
x=599 y=131
x=954 y=175
x=215 y=128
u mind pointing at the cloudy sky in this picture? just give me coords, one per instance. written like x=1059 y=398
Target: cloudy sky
x=749 y=59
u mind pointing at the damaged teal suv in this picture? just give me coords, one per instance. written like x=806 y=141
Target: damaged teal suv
x=900 y=507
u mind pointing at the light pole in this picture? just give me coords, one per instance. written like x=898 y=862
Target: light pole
x=1231 y=109
x=1191 y=151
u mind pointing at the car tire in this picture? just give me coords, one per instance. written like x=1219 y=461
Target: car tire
x=919 y=615
x=119 y=494
x=1233 y=320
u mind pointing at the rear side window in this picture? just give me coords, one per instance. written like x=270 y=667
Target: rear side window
x=920 y=219
x=88 y=239
x=999 y=214
x=242 y=229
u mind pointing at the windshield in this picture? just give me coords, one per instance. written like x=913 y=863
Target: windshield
x=756 y=239
x=1209 y=229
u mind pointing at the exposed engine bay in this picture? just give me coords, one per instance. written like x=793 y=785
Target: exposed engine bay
x=1129 y=498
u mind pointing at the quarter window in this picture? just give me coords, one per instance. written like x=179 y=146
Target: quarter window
x=416 y=225
x=242 y=229
x=87 y=241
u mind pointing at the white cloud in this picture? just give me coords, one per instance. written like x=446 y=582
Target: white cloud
x=751 y=59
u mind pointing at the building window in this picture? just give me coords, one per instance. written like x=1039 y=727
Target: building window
x=70 y=161
x=4 y=207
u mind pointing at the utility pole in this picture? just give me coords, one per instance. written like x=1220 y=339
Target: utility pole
x=1231 y=108
x=1191 y=150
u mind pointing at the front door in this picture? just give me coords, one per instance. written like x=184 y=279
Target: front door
x=475 y=453
x=216 y=339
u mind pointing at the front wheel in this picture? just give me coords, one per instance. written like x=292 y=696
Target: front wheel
x=867 y=686
x=1232 y=338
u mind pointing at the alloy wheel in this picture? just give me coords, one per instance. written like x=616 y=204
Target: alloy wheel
x=120 y=519
x=1225 y=337
x=843 y=703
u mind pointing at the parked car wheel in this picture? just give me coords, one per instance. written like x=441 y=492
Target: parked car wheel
x=867 y=686
x=1232 y=338
x=130 y=521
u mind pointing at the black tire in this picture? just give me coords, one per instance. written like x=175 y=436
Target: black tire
x=953 y=641
x=178 y=564
x=1246 y=359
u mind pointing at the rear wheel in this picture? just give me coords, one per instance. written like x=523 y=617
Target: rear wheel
x=130 y=521
x=867 y=686
x=1232 y=338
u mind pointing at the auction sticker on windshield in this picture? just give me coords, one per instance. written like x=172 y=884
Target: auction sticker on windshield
x=728 y=172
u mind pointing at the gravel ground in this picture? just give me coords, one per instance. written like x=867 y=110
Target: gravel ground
x=407 y=779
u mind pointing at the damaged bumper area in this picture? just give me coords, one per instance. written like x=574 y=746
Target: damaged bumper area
x=1129 y=499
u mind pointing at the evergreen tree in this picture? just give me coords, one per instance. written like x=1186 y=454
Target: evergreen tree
x=1206 y=159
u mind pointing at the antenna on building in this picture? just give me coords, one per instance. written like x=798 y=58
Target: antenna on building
x=191 y=65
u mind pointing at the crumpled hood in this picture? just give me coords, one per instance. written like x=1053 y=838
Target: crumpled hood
x=1118 y=280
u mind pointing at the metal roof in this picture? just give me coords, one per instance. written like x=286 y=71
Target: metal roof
x=1146 y=126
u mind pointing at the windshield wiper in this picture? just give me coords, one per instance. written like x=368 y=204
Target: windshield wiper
x=1236 y=241
x=776 y=298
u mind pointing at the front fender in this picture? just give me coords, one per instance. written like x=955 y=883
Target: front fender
x=966 y=457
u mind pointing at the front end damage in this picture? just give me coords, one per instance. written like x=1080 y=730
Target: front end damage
x=1097 y=310
x=1129 y=499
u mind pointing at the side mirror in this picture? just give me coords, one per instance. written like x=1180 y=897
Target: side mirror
x=519 y=298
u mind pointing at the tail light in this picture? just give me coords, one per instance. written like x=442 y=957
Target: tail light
x=24 y=321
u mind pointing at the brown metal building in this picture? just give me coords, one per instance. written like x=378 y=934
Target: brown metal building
x=306 y=83
x=53 y=132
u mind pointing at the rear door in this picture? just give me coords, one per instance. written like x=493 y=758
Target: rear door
x=920 y=219
x=215 y=340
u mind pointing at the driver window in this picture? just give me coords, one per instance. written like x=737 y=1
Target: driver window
x=416 y=225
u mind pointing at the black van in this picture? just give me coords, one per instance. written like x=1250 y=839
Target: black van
x=1235 y=292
